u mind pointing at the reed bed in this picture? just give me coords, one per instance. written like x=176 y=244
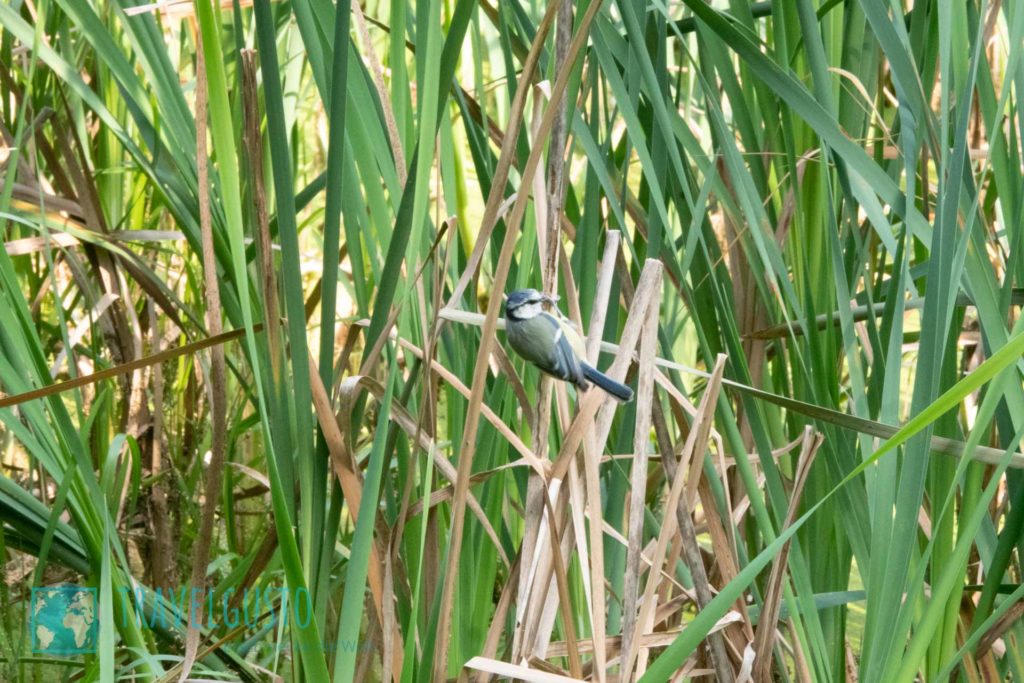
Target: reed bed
x=251 y=339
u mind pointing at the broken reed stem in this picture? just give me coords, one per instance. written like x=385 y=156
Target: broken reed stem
x=595 y=402
x=638 y=481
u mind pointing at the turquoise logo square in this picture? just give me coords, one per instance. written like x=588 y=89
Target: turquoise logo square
x=64 y=620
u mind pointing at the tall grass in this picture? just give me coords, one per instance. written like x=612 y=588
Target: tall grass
x=794 y=227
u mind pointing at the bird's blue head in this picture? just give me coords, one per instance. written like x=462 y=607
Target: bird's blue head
x=524 y=300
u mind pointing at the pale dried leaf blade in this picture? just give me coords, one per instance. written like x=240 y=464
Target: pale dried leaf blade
x=515 y=672
x=352 y=488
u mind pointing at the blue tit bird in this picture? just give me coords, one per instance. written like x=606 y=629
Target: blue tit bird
x=552 y=343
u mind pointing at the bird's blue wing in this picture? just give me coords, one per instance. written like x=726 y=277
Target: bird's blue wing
x=565 y=364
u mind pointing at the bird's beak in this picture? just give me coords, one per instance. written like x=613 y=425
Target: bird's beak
x=551 y=298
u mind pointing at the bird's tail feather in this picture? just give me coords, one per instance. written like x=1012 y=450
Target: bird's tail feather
x=620 y=392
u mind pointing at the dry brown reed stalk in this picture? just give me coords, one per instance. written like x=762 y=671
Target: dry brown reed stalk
x=534 y=510
x=594 y=402
x=726 y=563
x=602 y=294
x=596 y=329
x=1011 y=617
x=575 y=508
x=800 y=664
x=254 y=149
x=547 y=207
x=216 y=384
x=534 y=541
x=468 y=446
x=556 y=147
x=253 y=143
x=542 y=601
x=124 y=368
x=764 y=638
x=559 y=557
x=391 y=641
x=497 y=626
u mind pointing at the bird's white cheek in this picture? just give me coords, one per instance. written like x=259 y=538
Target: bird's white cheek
x=527 y=311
